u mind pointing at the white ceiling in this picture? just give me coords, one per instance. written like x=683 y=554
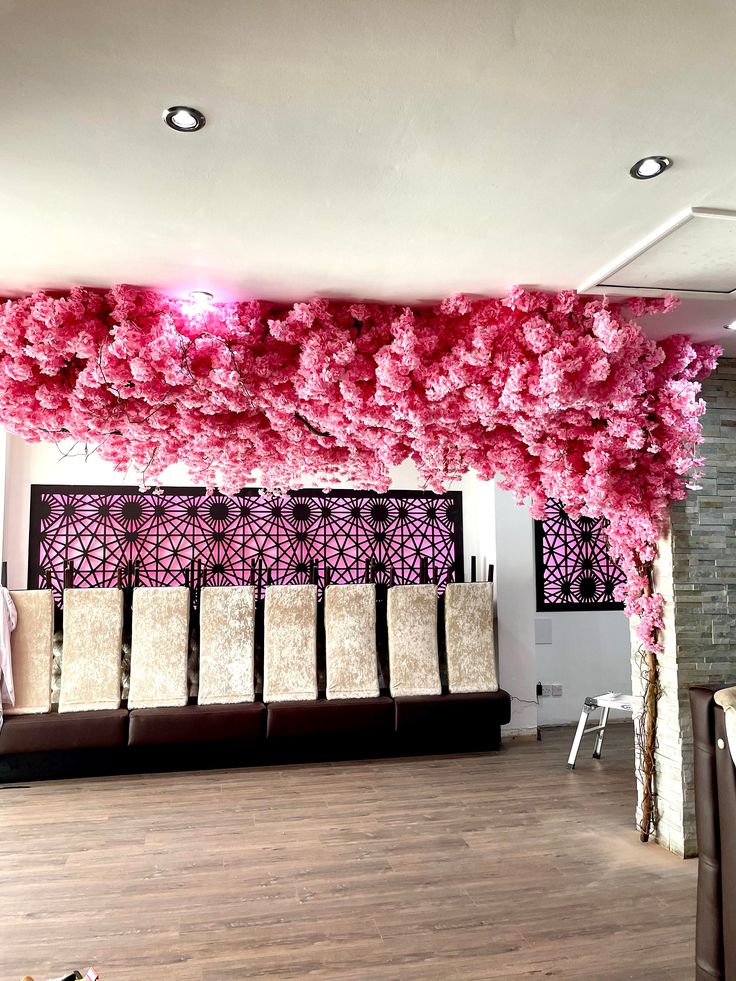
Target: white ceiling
x=392 y=149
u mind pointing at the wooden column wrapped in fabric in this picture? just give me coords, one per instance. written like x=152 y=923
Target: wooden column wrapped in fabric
x=290 y=644
x=226 y=641
x=159 y=648
x=350 y=641
x=31 y=651
x=471 y=655
x=412 y=640
x=93 y=634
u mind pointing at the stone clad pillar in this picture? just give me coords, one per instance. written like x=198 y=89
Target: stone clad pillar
x=696 y=573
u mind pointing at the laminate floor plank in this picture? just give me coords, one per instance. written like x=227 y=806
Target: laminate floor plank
x=502 y=866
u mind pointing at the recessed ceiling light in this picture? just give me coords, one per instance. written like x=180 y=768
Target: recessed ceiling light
x=731 y=326
x=200 y=296
x=648 y=167
x=184 y=119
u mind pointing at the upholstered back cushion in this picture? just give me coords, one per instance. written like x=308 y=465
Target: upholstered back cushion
x=160 y=641
x=93 y=635
x=471 y=656
x=412 y=640
x=350 y=640
x=226 y=645
x=290 y=644
x=31 y=654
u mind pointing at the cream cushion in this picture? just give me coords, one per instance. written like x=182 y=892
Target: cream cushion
x=726 y=698
x=290 y=644
x=471 y=657
x=350 y=641
x=226 y=625
x=159 y=647
x=412 y=640
x=31 y=651
x=93 y=636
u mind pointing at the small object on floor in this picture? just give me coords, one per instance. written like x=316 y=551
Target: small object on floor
x=611 y=700
x=91 y=975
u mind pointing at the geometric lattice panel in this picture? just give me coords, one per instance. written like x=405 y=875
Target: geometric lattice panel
x=102 y=528
x=574 y=569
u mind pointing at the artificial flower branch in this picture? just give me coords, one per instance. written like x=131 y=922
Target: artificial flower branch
x=558 y=395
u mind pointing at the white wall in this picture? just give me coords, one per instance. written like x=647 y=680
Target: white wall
x=589 y=655
x=515 y=609
x=589 y=651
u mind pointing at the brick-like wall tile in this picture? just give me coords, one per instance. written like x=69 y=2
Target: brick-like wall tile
x=697 y=575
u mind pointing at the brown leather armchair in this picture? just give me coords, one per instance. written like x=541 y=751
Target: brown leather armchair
x=715 y=805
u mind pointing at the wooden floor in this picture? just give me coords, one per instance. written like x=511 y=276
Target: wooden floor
x=501 y=866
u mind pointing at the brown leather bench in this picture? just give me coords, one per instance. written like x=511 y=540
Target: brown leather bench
x=370 y=718
x=198 y=723
x=431 y=723
x=473 y=720
x=54 y=731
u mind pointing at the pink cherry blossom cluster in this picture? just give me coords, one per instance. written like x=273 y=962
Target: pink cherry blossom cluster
x=559 y=395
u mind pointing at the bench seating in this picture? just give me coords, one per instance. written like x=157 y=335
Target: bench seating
x=412 y=715
x=425 y=723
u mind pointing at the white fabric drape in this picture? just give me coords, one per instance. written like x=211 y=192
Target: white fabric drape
x=8 y=620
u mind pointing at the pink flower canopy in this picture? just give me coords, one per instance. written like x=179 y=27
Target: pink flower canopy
x=558 y=395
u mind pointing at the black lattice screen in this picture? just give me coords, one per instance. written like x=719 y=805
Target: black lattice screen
x=102 y=528
x=574 y=569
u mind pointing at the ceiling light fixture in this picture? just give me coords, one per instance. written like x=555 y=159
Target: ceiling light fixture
x=184 y=119
x=648 y=167
x=201 y=296
x=731 y=326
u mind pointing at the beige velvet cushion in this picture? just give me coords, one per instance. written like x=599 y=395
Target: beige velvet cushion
x=471 y=658
x=350 y=640
x=226 y=645
x=412 y=640
x=160 y=641
x=290 y=644
x=93 y=636
x=30 y=649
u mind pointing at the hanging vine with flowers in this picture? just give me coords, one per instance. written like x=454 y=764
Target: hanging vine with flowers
x=557 y=395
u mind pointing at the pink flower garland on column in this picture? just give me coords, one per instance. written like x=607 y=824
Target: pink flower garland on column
x=560 y=395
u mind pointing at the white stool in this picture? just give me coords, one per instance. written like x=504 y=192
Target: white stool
x=612 y=700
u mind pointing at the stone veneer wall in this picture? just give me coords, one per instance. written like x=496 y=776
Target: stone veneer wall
x=696 y=572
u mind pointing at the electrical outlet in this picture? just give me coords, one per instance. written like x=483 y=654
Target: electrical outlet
x=556 y=691
x=546 y=691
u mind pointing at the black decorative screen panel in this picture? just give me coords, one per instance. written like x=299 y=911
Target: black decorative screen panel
x=574 y=569
x=101 y=528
